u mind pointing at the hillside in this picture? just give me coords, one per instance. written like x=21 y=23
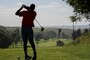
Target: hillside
x=85 y=39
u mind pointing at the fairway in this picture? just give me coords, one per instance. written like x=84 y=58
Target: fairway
x=48 y=51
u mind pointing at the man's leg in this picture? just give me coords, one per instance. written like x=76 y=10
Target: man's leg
x=32 y=44
x=25 y=44
x=34 y=49
x=24 y=38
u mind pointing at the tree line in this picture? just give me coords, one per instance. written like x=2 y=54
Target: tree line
x=10 y=36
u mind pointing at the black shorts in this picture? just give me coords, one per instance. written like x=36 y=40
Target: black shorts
x=27 y=33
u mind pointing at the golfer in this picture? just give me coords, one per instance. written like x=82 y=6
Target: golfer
x=27 y=27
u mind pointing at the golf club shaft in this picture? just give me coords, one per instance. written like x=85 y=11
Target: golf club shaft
x=38 y=23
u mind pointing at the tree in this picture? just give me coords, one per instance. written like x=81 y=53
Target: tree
x=38 y=36
x=15 y=35
x=73 y=19
x=63 y=35
x=81 y=7
x=85 y=30
x=5 y=39
x=51 y=34
x=45 y=36
x=79 y=33
x=59 y=32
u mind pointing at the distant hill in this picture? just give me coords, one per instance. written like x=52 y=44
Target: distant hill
x=71 y=27
x=67 y=30
x=62 y=27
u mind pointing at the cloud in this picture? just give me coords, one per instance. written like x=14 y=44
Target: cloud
x=19 y=3
x=2 y=7
x=7 y=8
x=52 y=13
x=7 y=16
x=50 y=5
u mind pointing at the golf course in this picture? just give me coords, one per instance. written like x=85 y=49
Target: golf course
x=44 y=29
x=47 y=50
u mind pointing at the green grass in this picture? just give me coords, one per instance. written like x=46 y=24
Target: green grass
x=49 y=51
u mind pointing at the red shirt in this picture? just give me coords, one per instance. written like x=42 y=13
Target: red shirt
x=28 y=18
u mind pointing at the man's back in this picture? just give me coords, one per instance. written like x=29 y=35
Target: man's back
x=28 y=18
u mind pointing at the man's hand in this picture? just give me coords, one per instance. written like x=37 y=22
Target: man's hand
x=23 y=5
x=18 y=11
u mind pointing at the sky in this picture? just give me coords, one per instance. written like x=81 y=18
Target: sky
x=49 y=12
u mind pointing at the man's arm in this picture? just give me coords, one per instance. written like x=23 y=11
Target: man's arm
x=18 y=11
x=26 y=7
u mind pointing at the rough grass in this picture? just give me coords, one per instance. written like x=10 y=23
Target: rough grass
x=85 y=39
x=49 y=51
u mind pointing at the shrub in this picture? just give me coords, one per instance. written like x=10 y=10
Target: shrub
x=5 y=40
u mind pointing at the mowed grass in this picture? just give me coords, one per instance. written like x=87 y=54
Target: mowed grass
x=49 y=51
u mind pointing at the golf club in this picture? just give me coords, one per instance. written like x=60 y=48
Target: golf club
x=42 y=29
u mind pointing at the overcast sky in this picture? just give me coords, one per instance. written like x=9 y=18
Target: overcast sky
x=49 y=12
